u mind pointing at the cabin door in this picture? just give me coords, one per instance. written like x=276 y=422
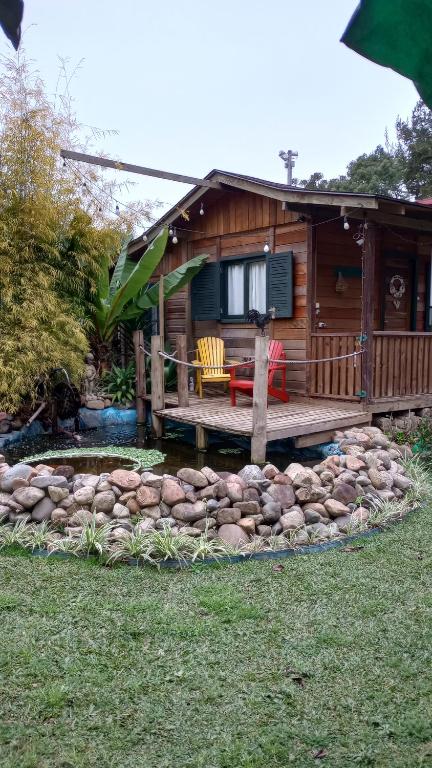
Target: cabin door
x=398 y=293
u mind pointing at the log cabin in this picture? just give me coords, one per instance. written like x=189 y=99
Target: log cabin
x=345 y=272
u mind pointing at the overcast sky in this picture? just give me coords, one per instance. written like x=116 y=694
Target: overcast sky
x=195 y=85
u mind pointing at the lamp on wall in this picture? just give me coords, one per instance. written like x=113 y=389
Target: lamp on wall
x=266 y=247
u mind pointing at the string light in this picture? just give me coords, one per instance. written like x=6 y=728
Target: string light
x=170 y=231
x=202 y=209
x=266 y=247
x=174 y=238
x=144 y=237
x=346 y=225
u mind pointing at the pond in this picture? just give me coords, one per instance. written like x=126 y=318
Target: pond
x=224 y=453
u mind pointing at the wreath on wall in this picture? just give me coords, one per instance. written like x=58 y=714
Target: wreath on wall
x=397 y=289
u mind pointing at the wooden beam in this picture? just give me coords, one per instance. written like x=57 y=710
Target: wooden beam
x=182 y=372
x=201 y=438
x=369 y=260
x=157 y=385
x=404 y=222
x=162 y=311
x=141 y=169
x=138 y=340
x=259 y=406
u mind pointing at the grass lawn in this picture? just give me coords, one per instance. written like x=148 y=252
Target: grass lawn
x=238 y=666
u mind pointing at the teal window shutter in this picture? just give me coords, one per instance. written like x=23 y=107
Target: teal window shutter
x=205 y=293
x=280 y=283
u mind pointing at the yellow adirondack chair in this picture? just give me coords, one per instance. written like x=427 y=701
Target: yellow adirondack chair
x=211 y=351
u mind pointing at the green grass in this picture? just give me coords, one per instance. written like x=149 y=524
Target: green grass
x=237 y=666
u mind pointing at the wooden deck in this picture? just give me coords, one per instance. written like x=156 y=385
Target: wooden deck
x=309 y=421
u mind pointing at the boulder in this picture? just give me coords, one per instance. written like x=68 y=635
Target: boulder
x=42 y=510
x=282 y=479
x=125 y=479
x=361 y=515
x=44 y=481
x=28 y=497
x=345 y=523
x=64 y=470
x=265 y=531
x=229 y=515
x=81 y=517
x=104 y=502
x=233 y=535
x=300 y=538
x=119 y=511
x=336 y=508
x=192 y=476
x=234 y=491
x=377 y=480
x=163 y=522
x=172 y=493
x=251 y=473
x=4 y=511
x=189 y=530
x=248 y=525
x=251 y=494
x=310 y=515
x=148 y=524
x=84 y=496
x=153 y=512
x=59 y=516
x=57 y=494
x=149 y=478
x=401 y=482
x=205 y=523
x=19 y=470
x=210 y=492
x=290 y=521
x=133 y=507
x=211 y=476
x=301 y=475
x=147 y=496
x=271 y=512
x=319 y=530
x=354 y=463
x=345 y=493
x=270 y=471
x=310 y=493
x=19 y=482
x=189 y=513
x=283 y=494
x=247 y=507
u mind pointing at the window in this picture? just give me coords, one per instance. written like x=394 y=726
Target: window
x=245 y=287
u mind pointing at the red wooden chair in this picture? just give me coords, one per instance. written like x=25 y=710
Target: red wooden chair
x=276 y=352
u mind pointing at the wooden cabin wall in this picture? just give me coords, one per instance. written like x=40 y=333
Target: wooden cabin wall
x=237 y=224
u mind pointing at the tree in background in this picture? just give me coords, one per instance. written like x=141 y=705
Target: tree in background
x=401 y=170
x=55 y=236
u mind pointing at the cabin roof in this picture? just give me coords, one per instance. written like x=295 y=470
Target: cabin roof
x=294 y=196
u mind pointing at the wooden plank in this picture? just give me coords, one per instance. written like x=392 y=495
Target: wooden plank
x=182 y=372
x=201 y=438
x=343 y=367
x=304 y=441
x=259 y=408
x=138 y=341
x=157 y=385
x=368 y=308
x=327 y=366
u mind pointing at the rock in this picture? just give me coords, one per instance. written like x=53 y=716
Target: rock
x=120 y=533
x=311 y=516
x=125 y=479
x=251 y=473
x=222 y=489
x=207 y=493
x=310 y=493
x=44 y=481
x=81 y=517
x=380 y=441
x=361 y=515
x=385 y=494
x=19 y=470
x=247 y=507
x=336 y=508
x=103 y=485
x=155 y=481
x=104 y=502
x=225 y=516
x=19 y=482
x=64 y=470
x=290 y=521
x=270 y=471
x=165 y=510
x=148 y=524
x=90 y=481
x=133 y=507
x=376 y=478
x=248 y=525
x=345 y=523
x=19 y=517
x=57 y=494
x=4 y=511
x=189 y=530
x=164 y=522
x=191 y=496
x=189 y=513
x=251 y=494
x=68 y=503
x=354 y=464
x=276 y=529
x=42 y=510
x=126 y=496
x=344 y=493
x=205 y=523
x=271 y=512
x=213 y=505
x=283 y=494
x=404 y=450
x=101 y=519
x=316 y=507
x=282 y=479
x=211 y=476
x=319 y=530
x=27 y=497
x=301 y=475
x=119 y=511
x=234 y=491
x=59 y=516
x=192 y=476
x=148 y=496
x=300 y=538
x=265 y=531
x=401 y=482
x=153 y=512
x=172 y=493
x=84 y=496
x=233 y=535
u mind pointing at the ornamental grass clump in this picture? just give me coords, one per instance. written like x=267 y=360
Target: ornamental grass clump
x=136 y=546
x=92 y=540
x=14 y=536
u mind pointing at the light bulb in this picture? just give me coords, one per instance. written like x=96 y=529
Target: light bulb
x=360 y=241
x=202 y=210
x=346 y=223
x=266 y=248
x=175 y=240
x=117 y=209
x=170 y=231
x=144 y=237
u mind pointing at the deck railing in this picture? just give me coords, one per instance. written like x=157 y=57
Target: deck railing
x=402 y=364
x=339 y=379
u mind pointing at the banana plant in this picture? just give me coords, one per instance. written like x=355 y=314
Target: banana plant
x=129 y=293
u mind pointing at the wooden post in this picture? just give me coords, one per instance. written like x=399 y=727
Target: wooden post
x=368 y=310
x=161 y=311
x=157 y=384
x=182 y=372
x=138 y=340
x=259 y=408
x=201 y=438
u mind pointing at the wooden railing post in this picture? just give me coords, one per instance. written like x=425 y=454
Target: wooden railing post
x=182 y=372
x=368 y=309
x=259 y=408
x=162 y=310
x=140 y=393
x=157 y=384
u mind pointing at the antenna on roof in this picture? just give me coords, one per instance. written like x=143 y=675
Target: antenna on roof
x=289 y=162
